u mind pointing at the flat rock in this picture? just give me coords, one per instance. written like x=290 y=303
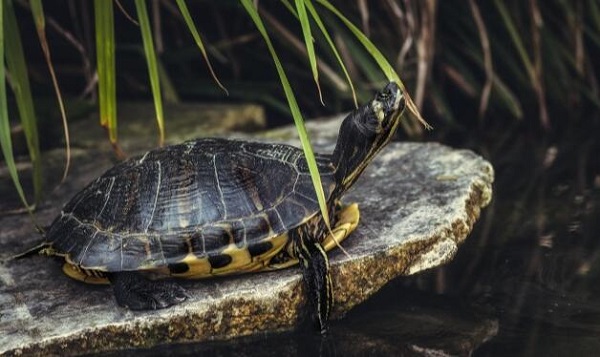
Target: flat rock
x=418 y=203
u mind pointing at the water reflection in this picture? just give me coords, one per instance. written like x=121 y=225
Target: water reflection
x=398 y=321
x=533 y=260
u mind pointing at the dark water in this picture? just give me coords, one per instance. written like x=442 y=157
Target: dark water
x=526 y=282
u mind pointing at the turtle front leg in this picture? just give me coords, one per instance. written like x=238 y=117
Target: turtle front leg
x=315 y=270
x=136 y=292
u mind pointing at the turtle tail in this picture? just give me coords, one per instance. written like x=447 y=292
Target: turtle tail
x=42 y=248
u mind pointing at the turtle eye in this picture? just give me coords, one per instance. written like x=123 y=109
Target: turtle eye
x=383 y=95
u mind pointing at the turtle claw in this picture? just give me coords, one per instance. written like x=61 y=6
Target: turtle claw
x=134 y=291
x=163 y=294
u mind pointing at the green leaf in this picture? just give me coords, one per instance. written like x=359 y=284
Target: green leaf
x=15 y=60
x=385 y=66
x=319 y=22
x=190 y=23
x=304 y=139
x=5 y=139
x=308 y=40
x=105 y=54
x=142 y=12
x=38 y=13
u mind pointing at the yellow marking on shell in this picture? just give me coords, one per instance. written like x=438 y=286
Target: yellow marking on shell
x=227 y=229
x=261 y=262
x=68 y=260
x=242 y=261
x=239 y=258
x=346 y=224
x=198 y=267
x=269 y=224
x=84 y=275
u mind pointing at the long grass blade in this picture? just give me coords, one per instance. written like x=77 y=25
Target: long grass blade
x=5 y=139
x=308 y=40
x=385 y=66
x=537 y=24
x=192 y=27
x=593 y=11
x=169 y=91
x=504 y=96
x=40 y=23
x=15 y=60
x=508 y=98
x=317 y=18
x=514 y=35
x=304 y=139
x=532 y=66
x=105 y=53
x=142 y=12
x=487 y=56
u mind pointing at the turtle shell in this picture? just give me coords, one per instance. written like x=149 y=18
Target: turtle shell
x=212 y=203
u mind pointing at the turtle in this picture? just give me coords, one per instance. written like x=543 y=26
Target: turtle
x=211 y=207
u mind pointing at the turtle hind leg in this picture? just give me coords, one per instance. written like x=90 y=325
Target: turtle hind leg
x=136 y=292
x=315 y=270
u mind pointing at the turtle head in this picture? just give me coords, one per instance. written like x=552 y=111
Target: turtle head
x=365 y=132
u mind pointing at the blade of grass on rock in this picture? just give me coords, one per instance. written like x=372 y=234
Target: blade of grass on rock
x=306 y=146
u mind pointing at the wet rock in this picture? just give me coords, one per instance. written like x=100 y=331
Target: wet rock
x=398 y=322
x=418 y=203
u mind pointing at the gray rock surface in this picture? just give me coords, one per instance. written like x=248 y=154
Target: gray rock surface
x=418 y=203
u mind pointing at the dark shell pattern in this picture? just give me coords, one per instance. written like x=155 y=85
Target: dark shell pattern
x=199 y=197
